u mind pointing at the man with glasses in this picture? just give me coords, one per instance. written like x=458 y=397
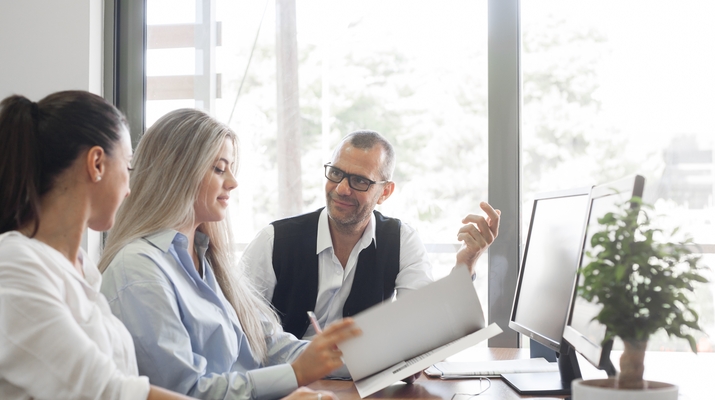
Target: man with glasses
x=346 y=257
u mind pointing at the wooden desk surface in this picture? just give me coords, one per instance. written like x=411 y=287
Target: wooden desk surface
x=693 y=373
x=433 y=388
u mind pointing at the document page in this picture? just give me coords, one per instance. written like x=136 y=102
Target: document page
x=418 y=322
x=402 y=370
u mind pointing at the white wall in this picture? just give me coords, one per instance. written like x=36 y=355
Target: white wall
x=52 y=45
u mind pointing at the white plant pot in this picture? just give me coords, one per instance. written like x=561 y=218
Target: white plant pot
x=600 y=389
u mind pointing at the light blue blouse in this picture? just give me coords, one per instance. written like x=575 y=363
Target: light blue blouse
x=186 y=334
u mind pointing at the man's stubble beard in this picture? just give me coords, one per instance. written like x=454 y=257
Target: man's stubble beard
x=351 y=221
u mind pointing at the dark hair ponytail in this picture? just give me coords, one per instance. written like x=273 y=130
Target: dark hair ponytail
x=19 y=172
x=40 y=140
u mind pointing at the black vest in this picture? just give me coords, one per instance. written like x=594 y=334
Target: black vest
x=295 y=263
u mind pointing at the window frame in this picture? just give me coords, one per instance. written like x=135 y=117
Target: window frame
x=504 y=121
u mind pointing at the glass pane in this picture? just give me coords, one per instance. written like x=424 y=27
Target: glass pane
x=414 y=71
x=612 y=88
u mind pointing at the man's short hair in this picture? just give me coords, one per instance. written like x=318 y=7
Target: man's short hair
x=366 y=139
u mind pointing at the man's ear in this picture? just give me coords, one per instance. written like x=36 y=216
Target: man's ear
x=386 y=192
x=96 y=160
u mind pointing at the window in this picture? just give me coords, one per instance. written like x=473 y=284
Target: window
x=612 y=88
x=413 y=71
x=580 y=93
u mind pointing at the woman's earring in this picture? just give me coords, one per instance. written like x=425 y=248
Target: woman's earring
x=98 y=178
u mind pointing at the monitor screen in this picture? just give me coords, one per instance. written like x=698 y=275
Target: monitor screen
x=548 y=266
x=545 y=287
x=582 y=332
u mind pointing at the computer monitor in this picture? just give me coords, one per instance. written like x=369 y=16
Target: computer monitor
x=582 y=332
x=545 y=286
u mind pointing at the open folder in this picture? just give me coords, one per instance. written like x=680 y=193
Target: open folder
x=420 y=328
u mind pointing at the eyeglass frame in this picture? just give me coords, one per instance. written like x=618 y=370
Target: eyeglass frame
x=346 y=175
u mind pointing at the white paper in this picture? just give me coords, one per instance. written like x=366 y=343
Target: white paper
x=381 y=380
x=419 y=322
x=459 y=370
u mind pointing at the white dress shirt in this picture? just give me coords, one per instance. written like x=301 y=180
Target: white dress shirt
x=187 y=335
x=58 y=338
x=334 y=281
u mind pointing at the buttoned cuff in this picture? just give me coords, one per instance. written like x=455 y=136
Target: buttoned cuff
x=273 y=382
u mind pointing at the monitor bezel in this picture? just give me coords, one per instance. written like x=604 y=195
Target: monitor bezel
x=598 y=354
x=513 y=324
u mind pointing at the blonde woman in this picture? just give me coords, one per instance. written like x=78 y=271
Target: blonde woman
x=63 y=168
x=199 y=328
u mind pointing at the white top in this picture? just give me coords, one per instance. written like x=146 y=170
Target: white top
x=58 y=338
x=334 y=282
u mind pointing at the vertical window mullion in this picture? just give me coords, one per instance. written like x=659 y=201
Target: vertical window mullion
x=504 y=102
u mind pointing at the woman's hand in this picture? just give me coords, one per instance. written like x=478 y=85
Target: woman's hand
x=303 y=393
x=322 y=355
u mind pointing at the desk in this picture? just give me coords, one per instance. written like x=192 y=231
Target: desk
x=433 y=388
x=694 y=374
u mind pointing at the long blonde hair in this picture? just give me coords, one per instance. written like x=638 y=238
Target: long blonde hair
x=170 y=163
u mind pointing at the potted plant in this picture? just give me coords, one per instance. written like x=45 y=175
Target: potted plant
x=644 y=283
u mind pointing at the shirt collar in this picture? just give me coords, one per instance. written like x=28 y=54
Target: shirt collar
x=92 y=276
x=164 y=239
x=91 y=273
x=325 y=241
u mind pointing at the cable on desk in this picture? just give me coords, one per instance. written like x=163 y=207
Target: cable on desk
x=470 y=395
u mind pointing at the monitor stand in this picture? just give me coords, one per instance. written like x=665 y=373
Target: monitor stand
x=537 y=350
x=547 y=383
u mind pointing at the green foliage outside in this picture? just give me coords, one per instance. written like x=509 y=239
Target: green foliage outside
x=643 y=281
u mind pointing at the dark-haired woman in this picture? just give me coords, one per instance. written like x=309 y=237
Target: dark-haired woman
x=63 y=168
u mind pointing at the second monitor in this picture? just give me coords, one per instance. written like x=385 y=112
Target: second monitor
x=583 y=333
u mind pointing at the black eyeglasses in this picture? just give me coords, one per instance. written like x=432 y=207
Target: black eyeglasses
x=356 y=182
